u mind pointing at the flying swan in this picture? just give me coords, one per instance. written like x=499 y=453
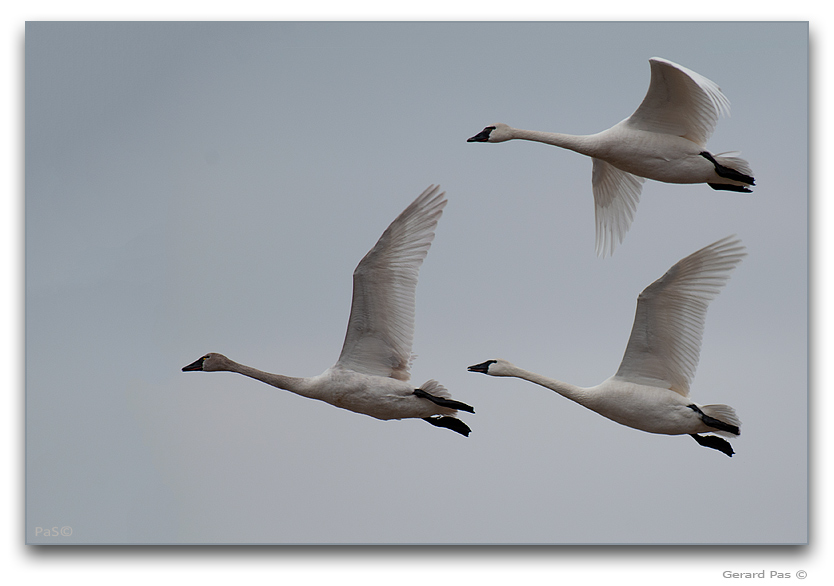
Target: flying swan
x=650 y=391
x=664 y=139
x=372 y=373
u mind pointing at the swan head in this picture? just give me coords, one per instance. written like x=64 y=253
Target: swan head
x=493 y=368
x=211 y=362
x=493 y=133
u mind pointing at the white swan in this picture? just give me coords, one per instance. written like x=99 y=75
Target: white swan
x=664 y=139
x=372 y=373
x=651 y=388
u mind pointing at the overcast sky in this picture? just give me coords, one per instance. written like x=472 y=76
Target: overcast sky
x=196 y=187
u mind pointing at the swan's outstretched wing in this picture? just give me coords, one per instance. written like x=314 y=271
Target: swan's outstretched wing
x=381 y=325
x=680 y=102
x=616 y=195
x=665 y=340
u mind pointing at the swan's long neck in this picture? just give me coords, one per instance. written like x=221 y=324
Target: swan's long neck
x=572 y=392
x=297 y=385
x=584 y=144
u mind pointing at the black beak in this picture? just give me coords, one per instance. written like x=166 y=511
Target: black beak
x=483 y=367
x=196 y=365
x=482 y=136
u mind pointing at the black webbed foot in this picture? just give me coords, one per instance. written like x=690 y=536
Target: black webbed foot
x=452 y=423
x=730 y=187
x=450 y=403
x=714 y=442
x=728 y=173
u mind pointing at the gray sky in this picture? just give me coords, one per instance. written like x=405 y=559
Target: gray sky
x=211 y=187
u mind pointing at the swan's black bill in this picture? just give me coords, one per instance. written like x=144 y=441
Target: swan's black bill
x=196 y=365
x=482 y=367
x=482 y=136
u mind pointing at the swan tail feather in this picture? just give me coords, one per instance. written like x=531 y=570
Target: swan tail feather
x=731 y=166
x=724 y=415
x=435 y=388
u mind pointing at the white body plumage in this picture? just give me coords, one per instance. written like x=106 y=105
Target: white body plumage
x=664 y=140
x=650 y=390
x=372 y=373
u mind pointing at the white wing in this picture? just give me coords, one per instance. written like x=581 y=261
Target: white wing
x=679 y=102
x=665 y=340
x=616 y=195
x=381 y=325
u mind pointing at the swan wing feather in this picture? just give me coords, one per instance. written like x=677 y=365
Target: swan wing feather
x=680 y=102
x=381 y=324
x=665 y=341
x=616 y=195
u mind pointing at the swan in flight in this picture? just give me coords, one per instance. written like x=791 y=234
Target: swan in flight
x=372 y=373
x=664 y=139
x=650 y=391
